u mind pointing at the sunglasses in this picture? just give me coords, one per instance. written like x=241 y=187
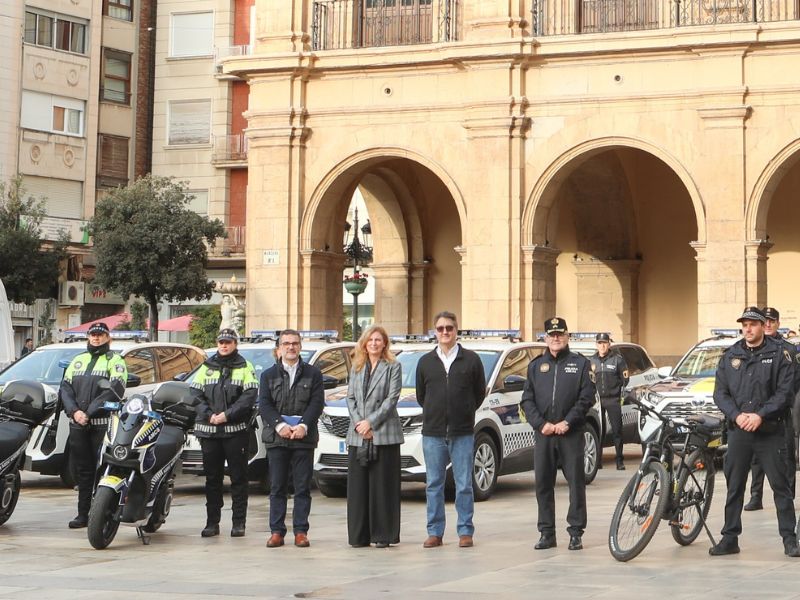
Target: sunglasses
x=447 y=328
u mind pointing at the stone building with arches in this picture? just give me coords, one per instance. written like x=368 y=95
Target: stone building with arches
x=517 y=162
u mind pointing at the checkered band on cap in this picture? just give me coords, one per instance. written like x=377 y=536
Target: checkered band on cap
x=752 y=313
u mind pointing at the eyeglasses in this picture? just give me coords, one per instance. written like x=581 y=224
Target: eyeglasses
x=447 y=328
x=289 y=344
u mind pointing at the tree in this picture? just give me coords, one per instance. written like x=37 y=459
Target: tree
x=204 y=327
x=150 y=244
x=138 y=320
x=28 y=269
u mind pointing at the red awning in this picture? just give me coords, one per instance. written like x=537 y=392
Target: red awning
x=111 y=321
x=176 y=324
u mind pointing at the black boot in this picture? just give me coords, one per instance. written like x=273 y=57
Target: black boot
x=238 y=529
x=210 y=530
x=79 y=522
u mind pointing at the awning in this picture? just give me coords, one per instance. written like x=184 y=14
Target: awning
x=112 y=322
x=176 y=324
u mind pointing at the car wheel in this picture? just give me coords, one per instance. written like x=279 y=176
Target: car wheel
x=591 y=454
x=331 y=489
x=485 y=463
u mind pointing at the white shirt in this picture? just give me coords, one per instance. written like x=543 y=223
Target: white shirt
x=448 y=358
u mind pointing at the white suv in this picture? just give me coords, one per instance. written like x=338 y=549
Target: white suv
x=149 y=363
x=320 y=349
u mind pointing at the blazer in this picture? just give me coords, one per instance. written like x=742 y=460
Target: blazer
x=378 y=404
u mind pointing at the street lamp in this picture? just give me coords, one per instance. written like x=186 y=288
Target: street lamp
x=359 y=254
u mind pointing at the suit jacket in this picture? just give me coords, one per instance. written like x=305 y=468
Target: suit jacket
x=378 y=404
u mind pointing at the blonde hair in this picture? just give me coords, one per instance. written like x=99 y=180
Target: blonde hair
x=360 y=354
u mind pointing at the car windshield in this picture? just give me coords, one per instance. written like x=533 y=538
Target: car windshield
x=40 y=365
x=700 y=362
x=409 y=359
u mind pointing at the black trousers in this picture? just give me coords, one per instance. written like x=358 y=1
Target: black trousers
x=757 y=472
x=282 y=461
x=771 y=452
x=613 y=409
x=569 y=449
x=216 y=451
x=84 y=451
x=373 y=497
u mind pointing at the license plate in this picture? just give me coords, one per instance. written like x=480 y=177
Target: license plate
x=342 y=447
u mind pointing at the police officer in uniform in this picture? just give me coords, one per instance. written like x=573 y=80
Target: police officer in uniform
x=771 y=328
x=558 y=393
x=83 y=402
x=611 y=377
x=753 y=388
x=227 y=388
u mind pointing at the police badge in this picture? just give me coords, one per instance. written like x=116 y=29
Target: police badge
x=78 y=365
x=544 y=367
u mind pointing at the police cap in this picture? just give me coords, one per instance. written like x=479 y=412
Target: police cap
x=98 y=328
x=771 y=313
x=752 y=313
x=602 y=337
x=228 y=334
x=555 y=325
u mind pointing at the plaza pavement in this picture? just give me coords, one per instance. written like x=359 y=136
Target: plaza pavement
x=41 y=558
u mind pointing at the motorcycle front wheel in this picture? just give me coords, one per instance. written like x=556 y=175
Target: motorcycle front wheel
x=9 y=494
x=103 y=520
x=638 y=512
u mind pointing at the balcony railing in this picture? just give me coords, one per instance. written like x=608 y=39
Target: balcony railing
x=562 y=17
x=229 y=148
x=231 y=245
x=227 y=52
x=339 y=24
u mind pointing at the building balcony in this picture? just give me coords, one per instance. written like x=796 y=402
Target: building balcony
x=342 y=24
x=229 y=151
x=222 y=53
x=564 y=17
x=232 y=246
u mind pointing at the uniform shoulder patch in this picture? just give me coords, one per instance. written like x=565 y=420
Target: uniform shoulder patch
x=593 y=367
x=592 y=377
x=625 y=374
x=736 y=363
x=544 y=367
x=797 y=357
x=787 y=355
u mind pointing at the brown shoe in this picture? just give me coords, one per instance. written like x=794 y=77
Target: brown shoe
x=275 y=540
x=432 y=542
x=301 y=540
x=465 y=541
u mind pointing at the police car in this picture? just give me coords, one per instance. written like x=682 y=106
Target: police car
x=321 y=348
x=148 y=363
x=688 y=388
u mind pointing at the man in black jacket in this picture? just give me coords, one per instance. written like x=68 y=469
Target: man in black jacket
x=451 y=385
x=559 y=392
x=226 y=386
x=753 y=388
x=290 y=399
x=611 y=377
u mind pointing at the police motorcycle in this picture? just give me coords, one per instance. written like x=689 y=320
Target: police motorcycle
x=142 y=445
x=23 y=406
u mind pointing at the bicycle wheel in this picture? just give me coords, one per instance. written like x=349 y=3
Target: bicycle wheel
x=695 y=490
x=638 y=512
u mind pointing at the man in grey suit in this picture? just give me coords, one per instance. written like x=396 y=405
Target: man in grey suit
x=374 y=439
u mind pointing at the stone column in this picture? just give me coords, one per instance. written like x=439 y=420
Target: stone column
x=392 y=297
x=756 y=256
x=283 y=26
x=538 y=296
x=500 y=19
x=608 y=297
x=321 y=289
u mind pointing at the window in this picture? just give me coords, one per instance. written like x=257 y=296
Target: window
x=334 y=363
x=116 y=77
x=142 y=363
x=45 y=112
x=635 y=358
x=70 y=35
x=112 y=160
x=192 y=34
x=118 y=9
x=199 y=203
x=173 y=362
x=189 y=122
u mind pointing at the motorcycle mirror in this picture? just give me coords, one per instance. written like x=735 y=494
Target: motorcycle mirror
x=22 y=398
x=133 y=380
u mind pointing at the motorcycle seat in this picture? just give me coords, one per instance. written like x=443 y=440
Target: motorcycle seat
x=12 y=436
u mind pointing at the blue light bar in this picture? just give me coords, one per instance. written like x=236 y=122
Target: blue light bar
x=412 y=337
x=322 y=334
x=586 y=335
x=726 y=332
x=269 y=334
x=511 y=334
x=129 y=334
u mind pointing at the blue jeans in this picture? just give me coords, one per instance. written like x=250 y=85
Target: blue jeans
x=439 y=452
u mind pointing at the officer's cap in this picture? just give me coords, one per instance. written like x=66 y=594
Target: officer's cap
x=752 y=313
x=228 y=334
x=555 y=325
x=98 y=328
x=771 y=313
x=602 y=337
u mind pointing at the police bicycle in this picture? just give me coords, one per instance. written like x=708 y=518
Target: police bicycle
x=674 y=482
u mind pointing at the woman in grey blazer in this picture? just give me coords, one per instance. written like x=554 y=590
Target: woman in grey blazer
x=374 y=439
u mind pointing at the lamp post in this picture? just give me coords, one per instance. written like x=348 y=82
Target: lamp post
x=360 y=254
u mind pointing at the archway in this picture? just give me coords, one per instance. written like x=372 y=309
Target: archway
x=415 y=214
x=610 y=235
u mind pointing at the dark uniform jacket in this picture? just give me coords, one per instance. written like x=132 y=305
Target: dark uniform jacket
x=758 y=380
x=792 y=350
x=610 y=374
x=79 y=391
x=306 y=399
x=224 y=384
x=558 y=389
x=449 y=400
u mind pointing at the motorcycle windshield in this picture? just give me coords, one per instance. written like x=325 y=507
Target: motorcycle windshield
x=133 y=413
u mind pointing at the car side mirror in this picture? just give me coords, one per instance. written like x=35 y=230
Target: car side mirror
x=133 y=381
x=329 y=382
x=664 y=372
x=63 y=363
x=180 y=377
x=513 y=383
